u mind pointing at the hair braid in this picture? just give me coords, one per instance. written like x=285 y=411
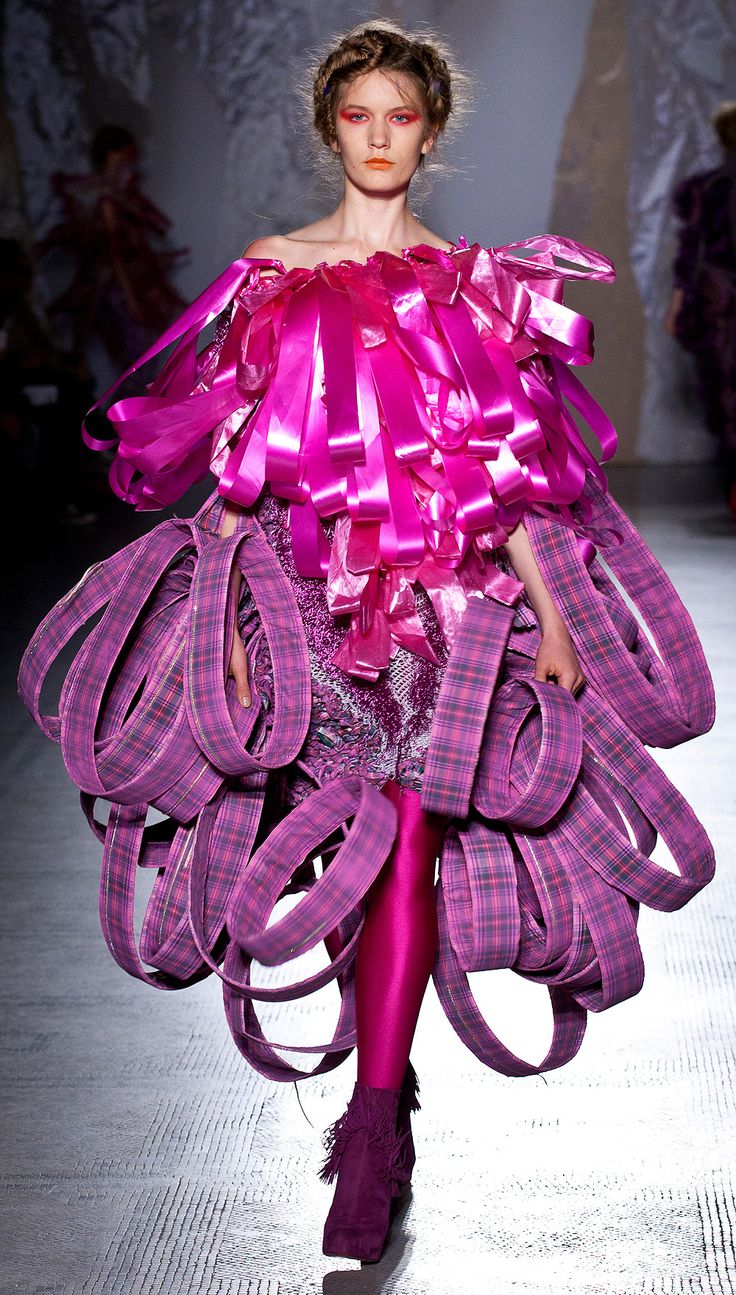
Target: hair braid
x=384 y=46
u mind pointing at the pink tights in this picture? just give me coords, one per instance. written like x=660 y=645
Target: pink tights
x=398 y=944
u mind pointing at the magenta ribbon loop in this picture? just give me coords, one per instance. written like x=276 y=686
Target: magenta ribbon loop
x=351 y=387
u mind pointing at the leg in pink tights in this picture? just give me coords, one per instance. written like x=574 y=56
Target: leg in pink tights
x=398 y=944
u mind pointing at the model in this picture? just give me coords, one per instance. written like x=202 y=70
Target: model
x=702 y=310
x=394 y=632
x=120 y=291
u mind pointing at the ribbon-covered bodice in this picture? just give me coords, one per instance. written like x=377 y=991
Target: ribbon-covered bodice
x=419 y=399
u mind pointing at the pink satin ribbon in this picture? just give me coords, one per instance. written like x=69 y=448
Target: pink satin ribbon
x=422 y=397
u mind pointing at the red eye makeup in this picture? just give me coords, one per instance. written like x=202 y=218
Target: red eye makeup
x=350 y=114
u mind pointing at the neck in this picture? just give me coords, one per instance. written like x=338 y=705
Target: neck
x=374 y=222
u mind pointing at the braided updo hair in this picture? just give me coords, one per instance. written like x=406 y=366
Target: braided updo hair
x=383 y=46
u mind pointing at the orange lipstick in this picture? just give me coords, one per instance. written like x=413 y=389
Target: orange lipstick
x=378 y=163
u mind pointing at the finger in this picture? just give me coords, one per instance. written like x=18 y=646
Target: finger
x=567 y=680
x=541 y=672
x=242 y=687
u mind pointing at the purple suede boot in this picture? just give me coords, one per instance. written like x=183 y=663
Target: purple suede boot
x=370 y=1159
x=408 y=1105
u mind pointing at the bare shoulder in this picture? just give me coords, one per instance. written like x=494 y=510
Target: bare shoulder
x=300 y=247
x=428 y=236
x=270 y=248
x=316 y=243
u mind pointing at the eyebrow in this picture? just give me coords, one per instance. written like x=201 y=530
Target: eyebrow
x=411 y=107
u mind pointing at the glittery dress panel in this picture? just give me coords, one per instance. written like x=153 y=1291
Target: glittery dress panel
x=376 y=729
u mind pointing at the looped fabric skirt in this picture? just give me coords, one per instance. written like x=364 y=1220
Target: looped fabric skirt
x=553 y=804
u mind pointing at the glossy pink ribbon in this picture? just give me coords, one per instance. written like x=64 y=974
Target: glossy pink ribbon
x=423 y=395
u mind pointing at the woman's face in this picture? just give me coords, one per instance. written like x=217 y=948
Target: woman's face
x=381 y=130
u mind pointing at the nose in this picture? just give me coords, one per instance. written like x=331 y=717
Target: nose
x=378 y=133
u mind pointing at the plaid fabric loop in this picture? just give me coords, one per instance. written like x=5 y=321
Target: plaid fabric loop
x=220 y=729
x=545 y=719
x=92 y=591
x=546 y=871
x=208 y=851
x=464 y=1015
x=462 y=707
x=105 y=734
x=352 y=871
x=553 y=805
x=477 y=861
x=650 y=667
x=125 y=845
x=248 y=1034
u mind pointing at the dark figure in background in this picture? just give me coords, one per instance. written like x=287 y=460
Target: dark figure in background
x=702 y=311
x=43 y=397
x=120 y=291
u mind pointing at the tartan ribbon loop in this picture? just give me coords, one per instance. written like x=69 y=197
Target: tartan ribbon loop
x=559 y=806
x=553 y=804
x=462 y=707
x=222 y=729
x=343 y=884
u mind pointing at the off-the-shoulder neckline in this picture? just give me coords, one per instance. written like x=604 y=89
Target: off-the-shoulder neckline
x=461 y=246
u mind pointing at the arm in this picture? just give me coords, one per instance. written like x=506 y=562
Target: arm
x=110 y=220
x=238 y=661
x=238 y=668
x=268 y=248
x=686 y=207
x=687 y=204
x=556 y=656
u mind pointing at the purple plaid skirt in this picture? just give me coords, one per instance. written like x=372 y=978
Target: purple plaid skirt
x=553 y=804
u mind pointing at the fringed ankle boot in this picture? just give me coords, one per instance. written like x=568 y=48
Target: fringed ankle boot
x=408 y=1104
x=368 y=1156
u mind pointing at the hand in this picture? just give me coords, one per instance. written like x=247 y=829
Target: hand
x=136 y=310
x=557 y=661
x=239 y=668
x=669 y=322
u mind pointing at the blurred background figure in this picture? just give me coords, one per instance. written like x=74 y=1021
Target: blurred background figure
x=120 y=292
x=702 y=310
x=43 y=397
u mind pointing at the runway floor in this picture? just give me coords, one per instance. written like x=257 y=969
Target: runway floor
x=142 y=1157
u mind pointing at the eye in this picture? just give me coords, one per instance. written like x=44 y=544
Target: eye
x=353 y=116
x=405 y=118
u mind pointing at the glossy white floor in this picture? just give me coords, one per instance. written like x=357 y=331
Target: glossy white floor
x=143 y=1157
